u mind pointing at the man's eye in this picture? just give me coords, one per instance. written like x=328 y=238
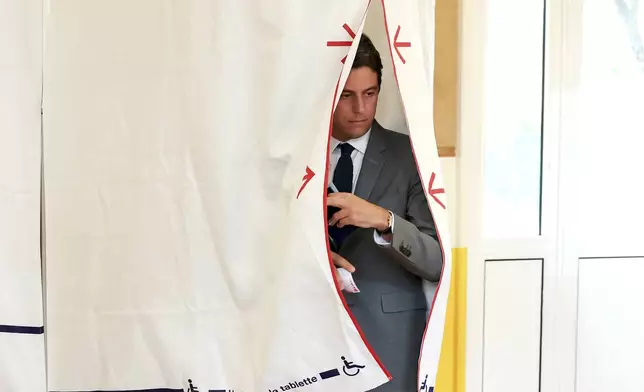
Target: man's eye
x=345 y=95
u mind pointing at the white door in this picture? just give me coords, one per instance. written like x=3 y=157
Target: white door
x=599 y=337
x=550 y=196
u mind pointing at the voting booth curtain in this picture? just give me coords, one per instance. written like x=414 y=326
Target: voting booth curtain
x=184 y=166
x=22 y=350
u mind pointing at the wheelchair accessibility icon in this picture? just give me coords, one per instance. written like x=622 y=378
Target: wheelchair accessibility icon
x=350 y=368
x=192 y=388
x=423 y=386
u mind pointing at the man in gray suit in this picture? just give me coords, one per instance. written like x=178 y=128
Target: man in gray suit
x=382 y=227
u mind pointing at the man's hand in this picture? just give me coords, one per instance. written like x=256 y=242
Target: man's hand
x=341 y=262
x=357 y=212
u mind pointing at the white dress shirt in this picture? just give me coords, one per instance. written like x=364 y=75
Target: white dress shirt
x=357 y=156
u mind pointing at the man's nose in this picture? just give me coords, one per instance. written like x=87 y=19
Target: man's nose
x=358 y=105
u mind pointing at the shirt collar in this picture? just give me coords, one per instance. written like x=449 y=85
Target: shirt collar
x=359 y=144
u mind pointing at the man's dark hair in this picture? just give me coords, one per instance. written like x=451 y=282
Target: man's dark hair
x=368 y=56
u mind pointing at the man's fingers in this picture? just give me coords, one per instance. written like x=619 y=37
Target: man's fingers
x=337 y=199
x=338 y=216
x=344 y=222
x=341 y=262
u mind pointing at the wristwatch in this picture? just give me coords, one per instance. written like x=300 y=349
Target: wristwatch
x=390 y=224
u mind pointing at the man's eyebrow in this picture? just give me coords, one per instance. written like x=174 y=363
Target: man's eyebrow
x=347 y=91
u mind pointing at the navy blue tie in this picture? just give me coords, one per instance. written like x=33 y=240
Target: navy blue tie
x=343 y=180
x=343 y=175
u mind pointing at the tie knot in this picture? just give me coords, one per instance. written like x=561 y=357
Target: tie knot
x=346 y=149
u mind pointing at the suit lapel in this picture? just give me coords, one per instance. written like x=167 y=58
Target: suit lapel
x=374 y=160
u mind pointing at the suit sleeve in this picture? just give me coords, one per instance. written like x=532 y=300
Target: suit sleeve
x=414 y=241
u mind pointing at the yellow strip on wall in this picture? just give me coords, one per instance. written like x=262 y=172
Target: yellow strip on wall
x=451 y=367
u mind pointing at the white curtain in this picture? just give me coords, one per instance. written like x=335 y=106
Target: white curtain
x=22 y=351
x=185 y=147
x=176 y=136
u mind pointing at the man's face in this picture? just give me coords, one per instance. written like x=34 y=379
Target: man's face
x=357 y=105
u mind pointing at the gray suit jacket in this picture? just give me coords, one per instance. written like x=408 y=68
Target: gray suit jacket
x=391 y=306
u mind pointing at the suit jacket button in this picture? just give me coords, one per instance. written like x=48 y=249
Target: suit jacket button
x=405 y=249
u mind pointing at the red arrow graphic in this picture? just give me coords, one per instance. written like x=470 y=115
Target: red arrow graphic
x=400 y=45
x=343 y=43
x=307 y=177
x=433 y=192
